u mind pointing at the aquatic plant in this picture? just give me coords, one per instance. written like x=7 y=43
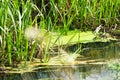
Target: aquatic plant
x=41 y=39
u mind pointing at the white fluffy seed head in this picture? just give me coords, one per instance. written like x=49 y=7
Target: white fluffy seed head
x=31 y=33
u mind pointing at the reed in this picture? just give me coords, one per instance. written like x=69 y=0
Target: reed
x=12 y=24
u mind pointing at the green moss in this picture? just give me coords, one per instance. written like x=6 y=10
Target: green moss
x=74 y=37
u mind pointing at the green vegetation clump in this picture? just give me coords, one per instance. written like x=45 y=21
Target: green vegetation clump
x=115 y=64
x=116 y=32
x=51 y=16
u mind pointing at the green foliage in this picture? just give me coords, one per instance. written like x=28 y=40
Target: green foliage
x=12 y=24
x=83 y=14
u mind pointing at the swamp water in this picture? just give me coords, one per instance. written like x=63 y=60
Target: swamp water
x=93 y=53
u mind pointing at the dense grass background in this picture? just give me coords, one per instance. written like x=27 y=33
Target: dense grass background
x=52 y=15
x=81 y=14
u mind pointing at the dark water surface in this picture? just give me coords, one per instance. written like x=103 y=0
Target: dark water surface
x=98 y=50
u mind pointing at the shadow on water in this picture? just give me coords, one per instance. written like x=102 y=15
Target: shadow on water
x=98 y=50
x=104 y=50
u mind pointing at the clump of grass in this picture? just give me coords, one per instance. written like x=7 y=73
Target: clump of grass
x=84 y=15
x=16 y=17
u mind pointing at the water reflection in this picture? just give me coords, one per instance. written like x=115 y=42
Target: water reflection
x=102 y=50
x=80 y=72
x=77 y=72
